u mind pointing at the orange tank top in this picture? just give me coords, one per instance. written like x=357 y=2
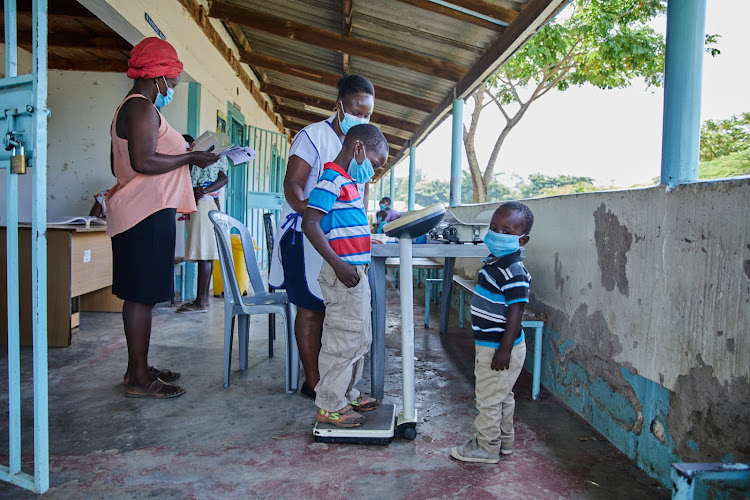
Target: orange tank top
x=136 y=196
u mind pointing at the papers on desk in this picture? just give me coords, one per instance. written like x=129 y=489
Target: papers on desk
x=87 y=220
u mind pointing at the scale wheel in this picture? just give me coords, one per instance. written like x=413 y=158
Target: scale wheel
x=410 y=433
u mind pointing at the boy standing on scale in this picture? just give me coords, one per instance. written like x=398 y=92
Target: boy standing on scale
x=336 y=224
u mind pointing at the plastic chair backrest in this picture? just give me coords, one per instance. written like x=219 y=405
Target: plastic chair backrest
x=223 y=225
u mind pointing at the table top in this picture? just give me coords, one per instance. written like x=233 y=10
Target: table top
x=75 y=228
x=479 y=250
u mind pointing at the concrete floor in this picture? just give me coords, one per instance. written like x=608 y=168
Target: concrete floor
x=252 y=440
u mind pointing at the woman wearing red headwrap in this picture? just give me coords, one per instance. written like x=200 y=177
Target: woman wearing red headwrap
x=150 y=162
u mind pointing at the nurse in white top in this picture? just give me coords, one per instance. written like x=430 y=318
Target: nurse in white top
x=295 y=264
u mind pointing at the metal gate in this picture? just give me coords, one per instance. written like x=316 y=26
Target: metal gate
x=266 y=190
x=23 y=108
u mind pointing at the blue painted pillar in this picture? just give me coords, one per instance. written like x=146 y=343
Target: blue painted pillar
x=193 y=128
x=412 y=175
x=456 y=150
x=392 y=193
x=683 y=74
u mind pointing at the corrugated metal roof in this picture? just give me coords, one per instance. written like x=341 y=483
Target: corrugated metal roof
x=417 y=53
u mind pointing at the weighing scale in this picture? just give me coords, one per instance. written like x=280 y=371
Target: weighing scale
x=382 y=424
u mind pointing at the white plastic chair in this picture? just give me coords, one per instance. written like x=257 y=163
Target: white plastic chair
x=261 y=302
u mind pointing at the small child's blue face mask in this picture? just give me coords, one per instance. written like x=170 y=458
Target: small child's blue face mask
x=501 y=244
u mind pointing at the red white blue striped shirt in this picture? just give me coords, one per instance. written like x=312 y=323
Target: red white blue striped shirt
x=345 y=224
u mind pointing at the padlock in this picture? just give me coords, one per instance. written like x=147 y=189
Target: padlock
x=17 y=162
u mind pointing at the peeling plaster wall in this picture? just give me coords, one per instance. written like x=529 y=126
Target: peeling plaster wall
x=648 y=297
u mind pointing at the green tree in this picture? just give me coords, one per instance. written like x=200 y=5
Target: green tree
x=495 y=192
x=543 y=185
x=432 y=191
x=722 y=137
x=605 y=43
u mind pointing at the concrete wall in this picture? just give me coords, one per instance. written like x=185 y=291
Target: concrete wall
x=648 y=297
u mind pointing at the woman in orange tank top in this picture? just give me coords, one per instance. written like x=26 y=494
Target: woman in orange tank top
x=150 y=162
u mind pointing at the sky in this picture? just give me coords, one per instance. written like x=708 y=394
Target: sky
x=613 y=136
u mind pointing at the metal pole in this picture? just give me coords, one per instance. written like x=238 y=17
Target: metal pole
x=39 y=250
x=407 y=327
x=412 y=175
x=683 y=74
x=11 y=236
x=456 y=150
x=393 y=186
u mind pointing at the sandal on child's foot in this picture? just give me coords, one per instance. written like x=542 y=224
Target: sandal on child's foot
x=363 y=403
x=345 y=417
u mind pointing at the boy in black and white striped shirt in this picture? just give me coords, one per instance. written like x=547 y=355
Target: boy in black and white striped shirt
x=500 y=295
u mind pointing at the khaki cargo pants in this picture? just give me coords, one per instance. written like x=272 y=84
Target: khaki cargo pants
x=495 y=398
x=347 y=334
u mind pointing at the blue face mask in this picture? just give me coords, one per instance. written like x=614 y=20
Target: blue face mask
x=163 y=100
x=349 y=120
x=382 y=206
x=363 y=172
x=501 y=244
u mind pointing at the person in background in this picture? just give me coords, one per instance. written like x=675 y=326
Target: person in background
x=380 y=221
x=336 y=224
x=295 y=264
x=99 y=208
x=201 y=241
x=150 y=162
x=391 y=214
x=500 y=295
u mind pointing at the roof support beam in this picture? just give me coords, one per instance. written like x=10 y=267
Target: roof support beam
x=75 y=41
x=103 y=65
x=347 y=32
x=330 y=80
x=311 y=116
x=452 y=13
x=391 y=121
x=489 y=9
x=334 y=41
x=296 y=124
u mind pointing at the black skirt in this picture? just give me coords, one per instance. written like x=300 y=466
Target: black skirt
x=143 y=259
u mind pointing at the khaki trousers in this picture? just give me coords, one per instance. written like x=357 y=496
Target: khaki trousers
x=347 y=335
x=495 y=401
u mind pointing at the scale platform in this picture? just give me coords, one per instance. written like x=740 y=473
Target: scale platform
x=378 y=429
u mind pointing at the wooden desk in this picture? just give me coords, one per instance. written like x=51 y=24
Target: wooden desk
x=79 y=278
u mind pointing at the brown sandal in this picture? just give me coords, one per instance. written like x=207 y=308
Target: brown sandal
x=158 y=390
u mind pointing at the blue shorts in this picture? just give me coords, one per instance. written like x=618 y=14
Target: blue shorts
x=293 y=262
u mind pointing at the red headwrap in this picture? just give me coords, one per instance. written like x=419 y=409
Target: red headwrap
x=153 y=57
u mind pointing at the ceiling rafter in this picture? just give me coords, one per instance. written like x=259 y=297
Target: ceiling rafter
x=297 y=124
x=347 y=32
x=319 y=102
x=330 y=79
x=489 y=9
x=376 y=119
x=67 y=40
x=454 y=14
x=252 y=19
